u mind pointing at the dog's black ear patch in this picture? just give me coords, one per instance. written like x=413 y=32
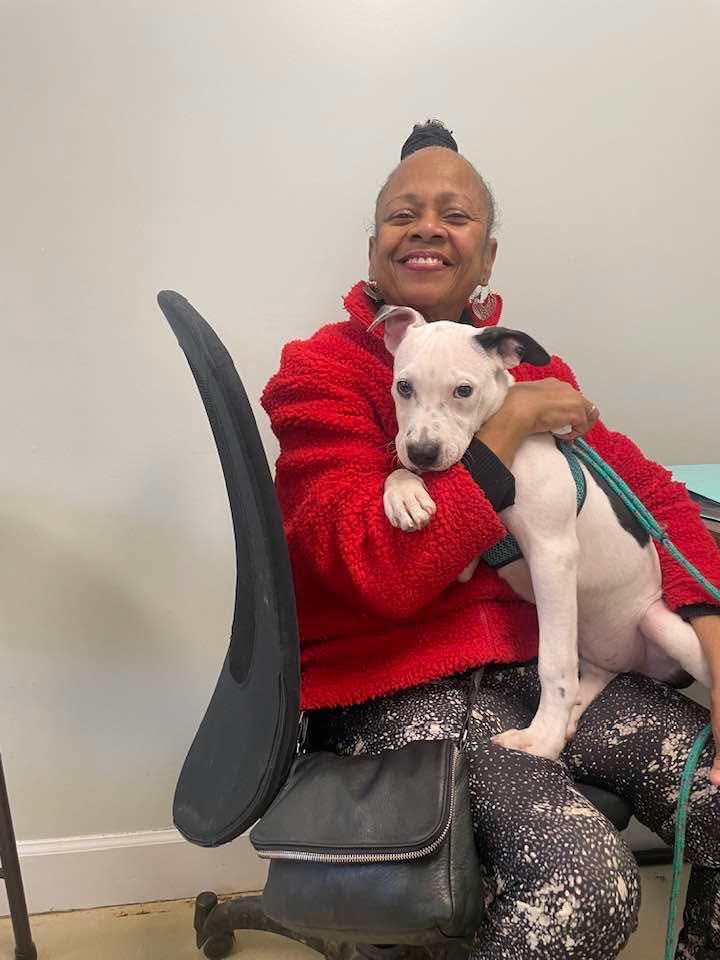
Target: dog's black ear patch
x=512 y=346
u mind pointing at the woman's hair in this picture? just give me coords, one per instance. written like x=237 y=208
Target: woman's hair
x=434 y=133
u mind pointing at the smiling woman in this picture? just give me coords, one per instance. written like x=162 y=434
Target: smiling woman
x=389 y=635
x=433 y=222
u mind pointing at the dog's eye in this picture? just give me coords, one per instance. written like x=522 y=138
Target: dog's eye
x=404 y=388
x=464 y=391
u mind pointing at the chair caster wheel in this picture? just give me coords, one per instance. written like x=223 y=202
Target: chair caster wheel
x=219 y=946
x=205 y=903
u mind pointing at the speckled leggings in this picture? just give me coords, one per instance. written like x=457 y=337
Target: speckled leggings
x=561 y=882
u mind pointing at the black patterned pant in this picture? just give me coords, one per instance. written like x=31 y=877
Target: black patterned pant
x=561 y=882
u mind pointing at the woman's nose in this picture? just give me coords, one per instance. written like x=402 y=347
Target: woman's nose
x=429 y=228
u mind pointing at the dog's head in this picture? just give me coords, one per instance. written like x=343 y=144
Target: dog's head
x=449 y=378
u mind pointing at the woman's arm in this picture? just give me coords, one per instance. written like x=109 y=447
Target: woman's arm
x=708 y=630
x=542 y=407
x=335 y=458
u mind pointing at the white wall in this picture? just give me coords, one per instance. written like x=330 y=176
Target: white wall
x=232 y=151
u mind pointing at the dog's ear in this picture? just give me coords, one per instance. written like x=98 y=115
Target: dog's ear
x=512 y=347
x=398 y=321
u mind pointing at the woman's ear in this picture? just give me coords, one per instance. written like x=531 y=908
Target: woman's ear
x=489 y=254
x=371 y=254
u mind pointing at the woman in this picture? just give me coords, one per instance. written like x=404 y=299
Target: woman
x=389 y=635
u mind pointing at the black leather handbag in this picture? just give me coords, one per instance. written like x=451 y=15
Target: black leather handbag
x=376 y=849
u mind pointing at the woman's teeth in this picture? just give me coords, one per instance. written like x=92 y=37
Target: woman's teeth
x=424 y=260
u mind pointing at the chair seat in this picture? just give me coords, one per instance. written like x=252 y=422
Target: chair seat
x=617 y=811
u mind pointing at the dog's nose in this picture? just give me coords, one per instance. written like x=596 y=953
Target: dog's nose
x=423 y=454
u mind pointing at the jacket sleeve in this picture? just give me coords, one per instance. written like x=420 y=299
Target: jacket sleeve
x=670 y=504
x=330 y=480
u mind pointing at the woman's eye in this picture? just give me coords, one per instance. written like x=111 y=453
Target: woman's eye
x=456 y=216
x=402 y=215
x=404 y=388
x=463 y=391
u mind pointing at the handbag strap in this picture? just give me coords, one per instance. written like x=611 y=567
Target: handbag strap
x=473 y=693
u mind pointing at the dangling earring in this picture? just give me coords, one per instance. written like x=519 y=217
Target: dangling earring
x=481 y=302
x=479 y=294
x=371 y=289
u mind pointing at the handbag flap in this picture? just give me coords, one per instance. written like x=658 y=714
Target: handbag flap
x=399 y=801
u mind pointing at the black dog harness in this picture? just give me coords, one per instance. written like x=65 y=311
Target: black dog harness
x=508 y=550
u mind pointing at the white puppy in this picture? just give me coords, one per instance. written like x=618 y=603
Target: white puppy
x=596 y=585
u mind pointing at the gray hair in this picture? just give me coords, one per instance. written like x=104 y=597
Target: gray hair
x=434 y=134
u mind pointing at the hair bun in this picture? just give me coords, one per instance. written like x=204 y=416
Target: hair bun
x=434 y=133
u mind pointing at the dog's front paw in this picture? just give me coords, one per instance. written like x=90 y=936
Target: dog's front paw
x=530 y=741
x=407 y=503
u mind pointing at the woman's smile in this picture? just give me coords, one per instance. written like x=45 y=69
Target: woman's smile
x=424 y=261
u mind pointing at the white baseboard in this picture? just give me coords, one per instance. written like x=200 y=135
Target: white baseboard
x=74 y=873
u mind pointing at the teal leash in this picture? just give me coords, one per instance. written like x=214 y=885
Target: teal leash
x=680 y=825
x=596 y=463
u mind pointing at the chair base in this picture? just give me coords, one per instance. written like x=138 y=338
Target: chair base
x=216 y=921
x=656 y=856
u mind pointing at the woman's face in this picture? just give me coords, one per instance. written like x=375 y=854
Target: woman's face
x=431 y=248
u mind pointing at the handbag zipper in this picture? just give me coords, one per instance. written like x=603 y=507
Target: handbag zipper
x=370 y=857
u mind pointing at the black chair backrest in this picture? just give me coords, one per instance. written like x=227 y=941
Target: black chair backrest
x=246 y=742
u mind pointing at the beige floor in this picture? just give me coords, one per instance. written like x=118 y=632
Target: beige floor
x=163 y=931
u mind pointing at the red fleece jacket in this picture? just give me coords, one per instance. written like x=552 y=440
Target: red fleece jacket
x=379 y=609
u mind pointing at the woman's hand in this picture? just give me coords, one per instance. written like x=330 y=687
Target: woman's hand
x=546 y=406
x=550 y=406
x=708 y=631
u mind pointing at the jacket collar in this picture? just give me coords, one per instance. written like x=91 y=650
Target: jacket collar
x=362 y=309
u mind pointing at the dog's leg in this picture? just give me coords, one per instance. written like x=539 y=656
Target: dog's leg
x=677 y=639
x=593 y=681
x=407 y=503
x=544 y=523
x=553 y=566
